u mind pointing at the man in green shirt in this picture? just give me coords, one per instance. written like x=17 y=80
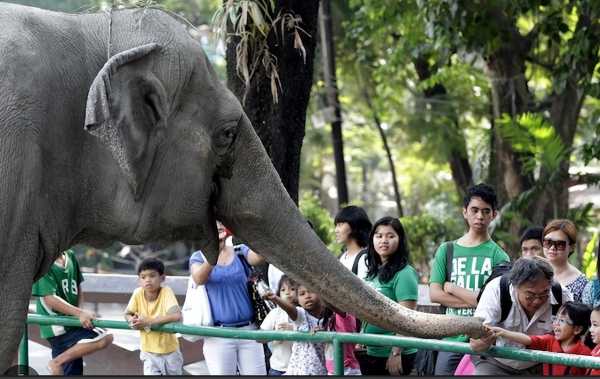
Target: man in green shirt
x=474 y=255
x=59 y=294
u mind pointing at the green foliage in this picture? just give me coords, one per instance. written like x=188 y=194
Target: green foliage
x=425 y=233
x=589 y=260
x=312 y=209
x=582 y=216
x=537 y=139
x=250 y=23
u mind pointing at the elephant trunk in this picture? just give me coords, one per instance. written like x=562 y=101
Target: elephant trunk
x=271 y=224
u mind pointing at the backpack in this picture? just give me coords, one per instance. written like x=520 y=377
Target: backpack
x=356 y=260
x=502 y=270
x=355 y=272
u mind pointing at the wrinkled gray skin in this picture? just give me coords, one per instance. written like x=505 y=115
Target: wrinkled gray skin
x=139 y=148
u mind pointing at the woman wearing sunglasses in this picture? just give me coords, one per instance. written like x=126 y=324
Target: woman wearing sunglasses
x=558 y=241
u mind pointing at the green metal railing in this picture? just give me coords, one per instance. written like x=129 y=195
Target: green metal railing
x=337 y=339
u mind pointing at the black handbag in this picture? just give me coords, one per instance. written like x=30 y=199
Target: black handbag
x=260 y=306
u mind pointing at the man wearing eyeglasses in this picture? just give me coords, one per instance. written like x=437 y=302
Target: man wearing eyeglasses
x=461 y=267
x=531 y=313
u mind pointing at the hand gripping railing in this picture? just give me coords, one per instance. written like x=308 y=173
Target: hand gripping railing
x=337 y=339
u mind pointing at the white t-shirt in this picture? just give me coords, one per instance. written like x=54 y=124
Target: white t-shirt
x=490 y=310
x=348 y=262
x=274 y=275
x=281 y=350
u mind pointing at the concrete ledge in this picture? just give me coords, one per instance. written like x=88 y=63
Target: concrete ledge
x=117 y=288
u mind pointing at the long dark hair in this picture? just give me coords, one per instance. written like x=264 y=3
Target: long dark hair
x=396 y=262
x=359 y=222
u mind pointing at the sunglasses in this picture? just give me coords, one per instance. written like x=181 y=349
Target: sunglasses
x=558 y=244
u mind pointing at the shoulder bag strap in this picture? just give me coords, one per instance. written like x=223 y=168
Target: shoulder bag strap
x=245 y=264
x=449 y=257
x=505 y=300
x=557 y=293
x=357 y=260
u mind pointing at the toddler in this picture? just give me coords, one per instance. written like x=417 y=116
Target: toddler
x=278 y=319
x=307 y=358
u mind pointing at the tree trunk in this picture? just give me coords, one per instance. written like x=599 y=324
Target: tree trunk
x=280 y=126
x=388 y=152
x=328 y=57
x=564 y=112
x=510 y=95
x=456 y=148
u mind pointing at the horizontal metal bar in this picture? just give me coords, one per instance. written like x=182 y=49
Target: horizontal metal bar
x=364 y=339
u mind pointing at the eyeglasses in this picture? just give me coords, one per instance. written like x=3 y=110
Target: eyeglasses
x=530 y=296
x=562 y=321
x=484 y=211
x=558 y=244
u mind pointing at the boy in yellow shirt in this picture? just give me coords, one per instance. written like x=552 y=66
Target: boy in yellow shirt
x=152 y=304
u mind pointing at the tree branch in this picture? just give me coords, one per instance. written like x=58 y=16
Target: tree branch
x=548 y=66
x=543 y=105
x=578 y=179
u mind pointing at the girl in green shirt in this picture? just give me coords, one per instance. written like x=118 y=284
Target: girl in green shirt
x=391 y=275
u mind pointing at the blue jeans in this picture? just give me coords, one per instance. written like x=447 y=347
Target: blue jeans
x=64 y=342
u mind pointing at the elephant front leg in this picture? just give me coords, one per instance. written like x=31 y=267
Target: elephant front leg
x=16 y=275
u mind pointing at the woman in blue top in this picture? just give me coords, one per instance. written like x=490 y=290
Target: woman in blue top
x=230 y=304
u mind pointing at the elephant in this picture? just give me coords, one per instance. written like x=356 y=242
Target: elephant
x=114 y=126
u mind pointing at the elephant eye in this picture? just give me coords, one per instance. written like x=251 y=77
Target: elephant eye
x=224 y=138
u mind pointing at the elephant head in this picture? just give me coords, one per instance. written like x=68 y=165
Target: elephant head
x=190 y=155
x=164 y=151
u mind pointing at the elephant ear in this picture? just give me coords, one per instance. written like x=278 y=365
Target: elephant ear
x=126 y=105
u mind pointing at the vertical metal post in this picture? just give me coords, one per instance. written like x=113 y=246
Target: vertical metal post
x=338 y=356
x=24 y=353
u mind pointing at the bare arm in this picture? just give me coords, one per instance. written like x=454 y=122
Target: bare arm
x=521 y=338
x=289 y=308
x=173 y=315
x=468 y=296
x=200 y=272
x=438 y=295
x=60 y=305
x=254 y=259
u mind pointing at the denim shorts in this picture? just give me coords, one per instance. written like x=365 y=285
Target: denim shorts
x=65 y=341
